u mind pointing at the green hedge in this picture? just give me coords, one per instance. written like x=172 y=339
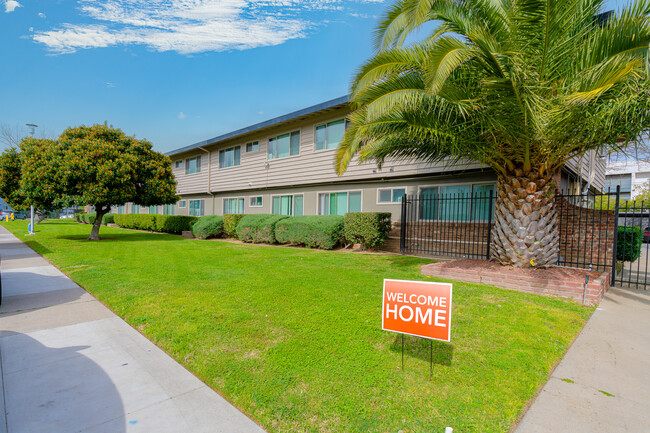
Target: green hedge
x=158 y=223
x=174 y=223
x=230 y=221
x=258 y=228
x=369 y=229
x=315 y=231
x=629 y=242
x=89 y=218
x=209 y=226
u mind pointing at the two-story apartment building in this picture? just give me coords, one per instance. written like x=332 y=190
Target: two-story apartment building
x=286 y=166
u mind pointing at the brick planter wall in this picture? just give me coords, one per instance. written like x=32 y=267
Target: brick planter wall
x=556 y=281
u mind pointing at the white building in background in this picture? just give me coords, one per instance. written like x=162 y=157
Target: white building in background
x=630 y=173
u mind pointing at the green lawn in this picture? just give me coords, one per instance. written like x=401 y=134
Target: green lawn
x=293 y=337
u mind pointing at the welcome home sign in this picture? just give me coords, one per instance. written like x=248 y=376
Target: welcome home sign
x=419 y=308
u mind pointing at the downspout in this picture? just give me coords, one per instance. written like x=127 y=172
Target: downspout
x=592 y=174
x=209 y=190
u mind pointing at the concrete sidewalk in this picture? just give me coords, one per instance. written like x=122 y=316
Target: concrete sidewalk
x=68 y=364
x=603 y=383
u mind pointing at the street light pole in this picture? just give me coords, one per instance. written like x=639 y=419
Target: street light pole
x=32 y=128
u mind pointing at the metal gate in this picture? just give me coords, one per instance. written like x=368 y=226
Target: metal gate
x=633 y=239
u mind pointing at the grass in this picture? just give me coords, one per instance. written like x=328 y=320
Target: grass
x=293 y=337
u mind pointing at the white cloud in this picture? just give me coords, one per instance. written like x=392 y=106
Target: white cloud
x=185 y=26
x=42 y=15
x=182 y=115
x=109 y=84
x=11 y=5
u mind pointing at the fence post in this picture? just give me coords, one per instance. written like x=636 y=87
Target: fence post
x=402 y=234
x=489 y=235
x=614 y=252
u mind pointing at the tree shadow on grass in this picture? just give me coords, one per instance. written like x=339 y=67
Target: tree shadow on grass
x=420 y=348
x=124 y=237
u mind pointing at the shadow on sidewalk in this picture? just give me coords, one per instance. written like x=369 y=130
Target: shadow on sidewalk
x=53 y=390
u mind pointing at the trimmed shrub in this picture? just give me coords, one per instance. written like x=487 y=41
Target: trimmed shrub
x=230 y=221
x=157 y=223
x=369 y=229
x=314 y=231
x=136 y=221
x=175 y=224
x=209 y=226
x=629 y=242
x=89 y=218
x=258 y=228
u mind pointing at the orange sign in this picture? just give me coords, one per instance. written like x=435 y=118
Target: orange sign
x=419 y=308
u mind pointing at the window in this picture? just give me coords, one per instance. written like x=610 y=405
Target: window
x=287 y=205
x=339 y=203
x=179 y=163
x=193 y=165
x=330 y=135
x=153 y=209
x=233 y=205
x=256 y=201
x=390 y=195
x=120 y=209
x=197 y=208
x=181 y=204
x=253 y=146
x=136 y=208
x=444 y=203
x=284 y=145
x=168 y=209
x=229 y=157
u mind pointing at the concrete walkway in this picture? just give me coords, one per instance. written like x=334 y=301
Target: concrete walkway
x=68 y=364
x=603 y=383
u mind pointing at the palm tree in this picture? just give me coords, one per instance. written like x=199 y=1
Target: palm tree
x=519 y=85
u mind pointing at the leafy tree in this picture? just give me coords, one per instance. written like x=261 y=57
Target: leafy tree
x=521 y=86
x=94 y=165
x=10 y=178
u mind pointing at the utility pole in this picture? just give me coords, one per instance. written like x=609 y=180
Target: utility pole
x=32 y=128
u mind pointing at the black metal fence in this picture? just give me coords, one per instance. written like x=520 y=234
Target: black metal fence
x=587 y=229
x=456 y=225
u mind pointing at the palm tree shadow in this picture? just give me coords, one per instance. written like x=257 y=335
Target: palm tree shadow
x=422 y=348
x=56 y=389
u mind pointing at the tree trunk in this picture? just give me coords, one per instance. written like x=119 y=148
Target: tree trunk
x=525 y=232
x=100 y=211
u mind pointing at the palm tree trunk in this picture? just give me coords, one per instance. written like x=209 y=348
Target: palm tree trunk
x=525 y=232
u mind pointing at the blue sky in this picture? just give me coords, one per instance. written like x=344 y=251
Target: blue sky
x=177 y=71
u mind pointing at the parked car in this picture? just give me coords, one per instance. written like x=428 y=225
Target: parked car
x=646 y=235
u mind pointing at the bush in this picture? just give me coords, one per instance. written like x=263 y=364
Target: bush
x=136 y=221
x=173 y=223
x=157 y=223
x=629 y=242
x=258 y=228
x=369 y=229
x=89 y=218
x=315 y=231
x=230 y=221
x=209 y=226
